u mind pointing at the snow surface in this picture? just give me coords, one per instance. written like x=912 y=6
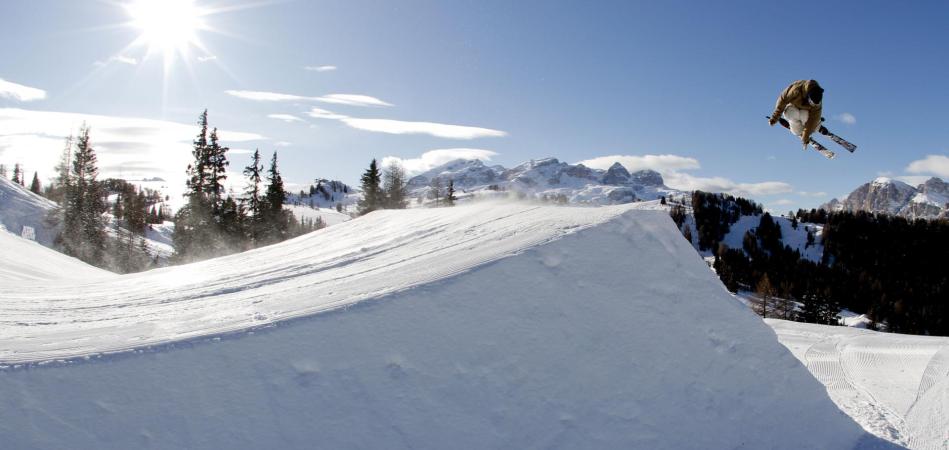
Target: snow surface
x=19 y=207
x=482 y=326
x=895 y=386
x=25 y=260
x=330 y=216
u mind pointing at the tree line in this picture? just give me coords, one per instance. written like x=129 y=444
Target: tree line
x=386 y=189
x=887 y=267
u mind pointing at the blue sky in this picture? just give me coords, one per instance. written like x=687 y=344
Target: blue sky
x=527 y=79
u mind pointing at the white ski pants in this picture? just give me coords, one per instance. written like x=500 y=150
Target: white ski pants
x=796 y=118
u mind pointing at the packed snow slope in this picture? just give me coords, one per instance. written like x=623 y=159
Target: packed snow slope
x=481 y=326
x=894 y=385
x=25 y=260
x=19 y=207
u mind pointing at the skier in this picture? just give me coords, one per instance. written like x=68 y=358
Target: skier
x=801 y=104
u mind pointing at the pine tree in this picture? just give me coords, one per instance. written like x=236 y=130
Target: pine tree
x=216 y=172
x=252 y=198
x=83 y=232
x=394 y=186
x=373 y=195
x=450 y=194
x=57 y=192
x=35 y=185
x=3 y=170
x=277 y=221
x=17 y=174
x=195 y=236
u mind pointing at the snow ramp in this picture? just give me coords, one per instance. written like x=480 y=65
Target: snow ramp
x=484 y=326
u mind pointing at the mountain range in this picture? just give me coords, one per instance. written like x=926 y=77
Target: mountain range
x=929 y=200
x=546 y=178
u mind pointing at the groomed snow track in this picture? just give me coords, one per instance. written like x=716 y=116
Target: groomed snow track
x=896 y=386
x=484 y=326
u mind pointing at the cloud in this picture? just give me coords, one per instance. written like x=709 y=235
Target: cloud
x=282 y=144
x=207 y=58
x=435 y=158
x=931 y=164
x=846 y=118
x=812 y=194
x=320 y=68
x=239 y=151
x=289 y=118
x=659 y=163
x=126 y=147
x=782 y=202
x=687 y=182
x=337 y=99
x=352 y=100
x=19 y=92
x=118 y=59
x=441 y=130
x=914 y=180
x=262 y=96
x=318 y=113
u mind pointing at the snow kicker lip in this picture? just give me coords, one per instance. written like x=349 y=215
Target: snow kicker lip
x=383 y=253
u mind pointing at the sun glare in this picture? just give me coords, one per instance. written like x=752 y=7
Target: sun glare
x=167 y=26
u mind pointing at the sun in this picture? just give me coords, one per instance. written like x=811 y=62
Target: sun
x=167 y=26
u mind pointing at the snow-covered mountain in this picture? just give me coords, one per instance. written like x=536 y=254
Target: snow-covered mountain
x=886 y=195
x=490 y=325
x=547 y=178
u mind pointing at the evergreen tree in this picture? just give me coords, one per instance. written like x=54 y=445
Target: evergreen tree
x=450 y=194
x=252 y=198
x=373 y=196
x=216 y=172
x=765 y=293
x=394 y=186
x=17 y=174
x=276 y=220
x=35 y=185
x=3 y=170
x=195 y=236
x=83 y=234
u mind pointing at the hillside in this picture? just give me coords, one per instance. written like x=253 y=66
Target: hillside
x=484 y=326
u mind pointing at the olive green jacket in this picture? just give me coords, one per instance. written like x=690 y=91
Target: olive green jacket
x=796 y=94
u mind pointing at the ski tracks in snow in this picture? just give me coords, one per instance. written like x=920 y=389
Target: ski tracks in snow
x=895 y=386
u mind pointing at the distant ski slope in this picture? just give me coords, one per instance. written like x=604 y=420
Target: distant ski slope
x=894 y=385
x=483 y=326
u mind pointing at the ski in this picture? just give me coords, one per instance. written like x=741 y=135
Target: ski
x=823 y=150
x=814 y=144
x=841 y=141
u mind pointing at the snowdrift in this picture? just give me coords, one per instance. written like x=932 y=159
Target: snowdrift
x=19 y=207
x=484 y=326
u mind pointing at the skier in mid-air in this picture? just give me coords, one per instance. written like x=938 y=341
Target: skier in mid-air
x=799 y=109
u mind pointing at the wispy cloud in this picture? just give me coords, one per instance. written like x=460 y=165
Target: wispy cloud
x=435 y=158
x=931 y=164
x=207 y=58
x=121 y=59
x=659 y=163
x=782 y=202
x=19 y=92
x=289 y=118
x=390 y=126
x=282 y=144
x=812 y=194
x=338 y=99
x=352 y=100
x=320 y=68
x=846 y=118
x=441 y=130
x=318 y=113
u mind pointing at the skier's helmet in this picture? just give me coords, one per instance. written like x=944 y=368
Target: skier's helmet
x=815 y=93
